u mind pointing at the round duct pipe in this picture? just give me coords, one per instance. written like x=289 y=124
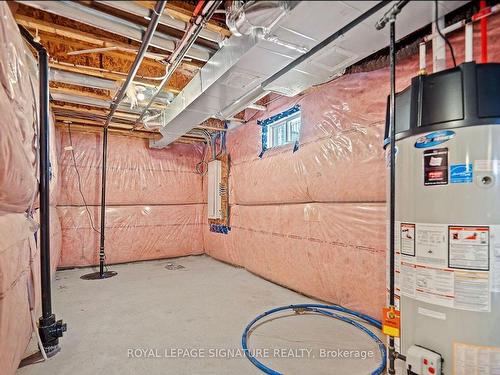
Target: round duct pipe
x=254 y=16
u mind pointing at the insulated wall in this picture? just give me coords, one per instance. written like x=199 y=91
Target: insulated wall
x=314 y=219
x=19 y=251
x=153 y=200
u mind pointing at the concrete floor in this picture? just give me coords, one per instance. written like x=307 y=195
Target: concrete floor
x=202 y=308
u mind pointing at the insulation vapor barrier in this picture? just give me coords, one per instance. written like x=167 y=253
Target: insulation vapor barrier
x=19 y=250
x=153 y=200
x=313 y=220
x=321 y=250
x=136 y=174
x=19 y=106
x=132 y=233
x=307 y=219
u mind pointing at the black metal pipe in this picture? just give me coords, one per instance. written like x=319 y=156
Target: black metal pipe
x=102 y=256
x=43 y=65
x=390 y=17
x=392 y=203
x=146 y=40
x=391 y=14
x=50 y=330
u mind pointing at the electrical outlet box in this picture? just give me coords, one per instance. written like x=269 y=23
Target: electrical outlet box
x=422 y=361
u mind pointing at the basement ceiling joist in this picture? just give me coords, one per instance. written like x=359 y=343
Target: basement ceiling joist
x=184 y=13
x=168 y=24
x=108 y=22
x=101 y=73
x=98 y=130
x=89 y=62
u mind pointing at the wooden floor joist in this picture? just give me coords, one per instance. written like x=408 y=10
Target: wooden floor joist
x=112 y=130
x=62 y=36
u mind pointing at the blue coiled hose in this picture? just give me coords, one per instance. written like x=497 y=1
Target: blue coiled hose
x=320 y=309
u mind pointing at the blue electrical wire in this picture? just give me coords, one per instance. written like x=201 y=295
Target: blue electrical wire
x=319 y=308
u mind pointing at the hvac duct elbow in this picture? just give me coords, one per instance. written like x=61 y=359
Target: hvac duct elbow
x=254 y=17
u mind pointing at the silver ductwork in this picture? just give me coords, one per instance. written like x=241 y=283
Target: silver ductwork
x=247 y=66
x=254 y=17
x=84 y=80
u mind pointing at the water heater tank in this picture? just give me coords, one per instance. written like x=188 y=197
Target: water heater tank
x=448 y=220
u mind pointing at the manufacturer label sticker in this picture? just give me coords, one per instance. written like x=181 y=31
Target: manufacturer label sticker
x=436 y=166
x=461 y=173
x=434 y=139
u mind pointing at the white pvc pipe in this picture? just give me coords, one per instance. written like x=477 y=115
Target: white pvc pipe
x=494 y=9
x=438 y=47
x=422 y=54
x=469 y=42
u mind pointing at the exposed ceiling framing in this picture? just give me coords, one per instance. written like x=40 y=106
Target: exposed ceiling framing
x=87 y=48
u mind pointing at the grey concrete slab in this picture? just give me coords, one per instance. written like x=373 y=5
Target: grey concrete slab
x=151 y=320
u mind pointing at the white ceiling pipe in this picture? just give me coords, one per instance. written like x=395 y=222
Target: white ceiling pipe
x=438 y=45
x=78 y=79
x=422 y=57
x=257 y=107
x=469 y=42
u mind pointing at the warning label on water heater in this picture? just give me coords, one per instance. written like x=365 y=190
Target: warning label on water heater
x=469 y=248
x=447 y=265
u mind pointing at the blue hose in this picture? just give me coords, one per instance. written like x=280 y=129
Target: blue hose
x=318 y=308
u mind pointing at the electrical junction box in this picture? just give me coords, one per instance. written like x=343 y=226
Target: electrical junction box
x=421 y=361
x=214 y=192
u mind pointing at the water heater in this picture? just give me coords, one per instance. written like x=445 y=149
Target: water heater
x=447 y=236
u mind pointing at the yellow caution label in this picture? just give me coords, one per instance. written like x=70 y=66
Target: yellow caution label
x=391 y=321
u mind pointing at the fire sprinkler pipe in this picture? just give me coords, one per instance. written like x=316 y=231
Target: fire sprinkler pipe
x=155 y=19
x=49 y=329
x=185 y=44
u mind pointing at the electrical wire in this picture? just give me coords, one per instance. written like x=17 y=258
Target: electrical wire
x=202 y=166
x=79 y=180
x=443 y=36
x=323 y=310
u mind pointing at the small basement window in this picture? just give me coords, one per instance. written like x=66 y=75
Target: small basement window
x=281 y=129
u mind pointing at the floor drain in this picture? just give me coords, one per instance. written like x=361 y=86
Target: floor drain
x=174 y=266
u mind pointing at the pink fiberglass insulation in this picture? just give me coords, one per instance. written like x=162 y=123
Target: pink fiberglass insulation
x=314 y=220
x=136 y=174
x=154 y=200
x=20 y=272
x=334 y=252
x=19 y=253
x=18 y=106
x=132 y=233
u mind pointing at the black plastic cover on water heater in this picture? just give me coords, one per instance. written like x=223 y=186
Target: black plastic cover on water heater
x=467 y=95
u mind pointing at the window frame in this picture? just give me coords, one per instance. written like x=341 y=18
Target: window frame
x=286 y=121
